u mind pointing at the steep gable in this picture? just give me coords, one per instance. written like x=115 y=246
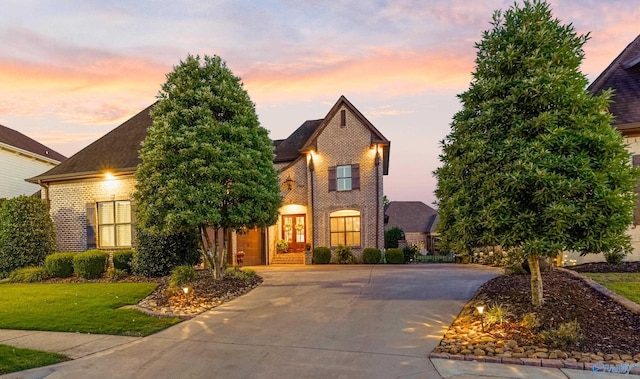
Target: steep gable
x=117 y=151
x=623 y=75
x=376 y=137
x=13 y=138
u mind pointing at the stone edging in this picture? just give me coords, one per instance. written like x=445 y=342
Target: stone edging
x=550 y=363
x=630 y=305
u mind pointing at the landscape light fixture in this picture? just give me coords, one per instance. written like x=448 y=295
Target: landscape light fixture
x=480 y=309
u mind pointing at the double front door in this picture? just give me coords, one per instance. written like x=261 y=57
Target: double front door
x=294 y=230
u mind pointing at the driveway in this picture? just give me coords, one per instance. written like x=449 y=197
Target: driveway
x=303 y=322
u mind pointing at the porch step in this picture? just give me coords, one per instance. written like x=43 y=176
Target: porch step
x=288 y=259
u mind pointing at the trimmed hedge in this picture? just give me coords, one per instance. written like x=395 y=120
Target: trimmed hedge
x=371 y=255
x=157 y=255
x=27 y=233
x=28 y=275
x=90 y=264
x=321 y=255
x=394 y=256
x=59 y=265
x=344 y=255
x=122 y=260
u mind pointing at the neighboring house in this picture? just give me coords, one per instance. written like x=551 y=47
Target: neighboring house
x=417 y=220
x=331 y=175
x=623 y=76
x=22 y=157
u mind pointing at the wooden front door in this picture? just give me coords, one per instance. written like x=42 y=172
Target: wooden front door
x=294 y=231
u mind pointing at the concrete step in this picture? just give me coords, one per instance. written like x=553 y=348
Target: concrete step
x=288 y=258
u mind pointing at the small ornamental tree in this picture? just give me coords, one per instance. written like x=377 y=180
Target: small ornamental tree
x=392 y=236
x=532 y=162
x=27 y=234
x=206 y=161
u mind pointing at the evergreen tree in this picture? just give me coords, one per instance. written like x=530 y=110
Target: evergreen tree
x=532 y=161
x=206 y=161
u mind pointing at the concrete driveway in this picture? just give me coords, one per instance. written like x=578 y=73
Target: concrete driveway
x=303 y=322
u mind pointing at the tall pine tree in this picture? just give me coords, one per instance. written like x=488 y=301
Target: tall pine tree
x=532 y=162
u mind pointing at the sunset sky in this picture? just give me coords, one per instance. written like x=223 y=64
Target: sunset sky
x=70 y=71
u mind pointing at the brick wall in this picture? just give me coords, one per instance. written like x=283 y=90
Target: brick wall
x=68 y=201
x=351 y=144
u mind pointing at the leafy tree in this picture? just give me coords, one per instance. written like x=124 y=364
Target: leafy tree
x=27 y=234
x=532 y=161
x=392 y=236
x=206 y=161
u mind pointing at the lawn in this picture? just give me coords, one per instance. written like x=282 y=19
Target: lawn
x=13 y=359
x=624 y=284
x=79 y=307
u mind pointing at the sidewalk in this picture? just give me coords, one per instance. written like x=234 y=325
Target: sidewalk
x=73 y=345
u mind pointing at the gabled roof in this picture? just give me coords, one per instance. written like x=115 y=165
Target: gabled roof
x=288 y=150
x=623 y=75
x=117 y=152
x=411 y=216
x=376 y=137
x=13 y=138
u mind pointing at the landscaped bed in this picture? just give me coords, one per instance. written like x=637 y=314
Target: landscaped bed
x=608 y=332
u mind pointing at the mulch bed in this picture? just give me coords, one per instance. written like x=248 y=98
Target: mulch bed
x=607 y=329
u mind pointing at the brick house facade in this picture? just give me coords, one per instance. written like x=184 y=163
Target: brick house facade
x=331 y=174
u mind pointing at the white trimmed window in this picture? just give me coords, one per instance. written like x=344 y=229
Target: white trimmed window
x=114 y=223
x=345 y=228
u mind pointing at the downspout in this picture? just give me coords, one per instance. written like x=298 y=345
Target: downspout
x=313 y=211
x=46 y=193
x=378 y=199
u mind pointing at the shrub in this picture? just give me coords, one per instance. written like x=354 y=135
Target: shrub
x=122 y=260
x=321 y=255
x=371 y=255
x=282 y=246
x=27 y=234
x=59 y=265
x=392 y=236
x=182 y=275
x=515 y=269
x=90 y=264
x=115 y=274
x=245 y=275
x=344 y=255
x=409 y=253
x=530 y=321
x=28 y=275
x=394 y=256
x=157 y=255
x=496 y=314
x=614 y=257
x=566 y=335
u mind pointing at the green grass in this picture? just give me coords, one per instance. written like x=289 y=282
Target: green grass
x=624 y=284
x=13 y=359
x=79 y=307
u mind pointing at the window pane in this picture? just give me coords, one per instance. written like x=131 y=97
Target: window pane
x=356 y=239
x=123 y=212
x=124 y=235
x=356 y=224
x=344 y=171
x=335 y=239
x=107 y=235
x=105 y=213
x=348 y=223
x=349 y=239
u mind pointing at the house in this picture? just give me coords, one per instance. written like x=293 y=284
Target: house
x=417 y=220
x=22 y=157
x=623 y=76
x=331 y=173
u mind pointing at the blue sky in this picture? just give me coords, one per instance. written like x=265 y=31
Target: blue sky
x=70 y=71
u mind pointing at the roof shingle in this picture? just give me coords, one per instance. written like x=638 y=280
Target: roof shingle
x=411 y=216
x=16 y=139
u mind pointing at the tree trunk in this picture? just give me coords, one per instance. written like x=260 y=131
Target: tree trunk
x=206 y=248
x=537 y=298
